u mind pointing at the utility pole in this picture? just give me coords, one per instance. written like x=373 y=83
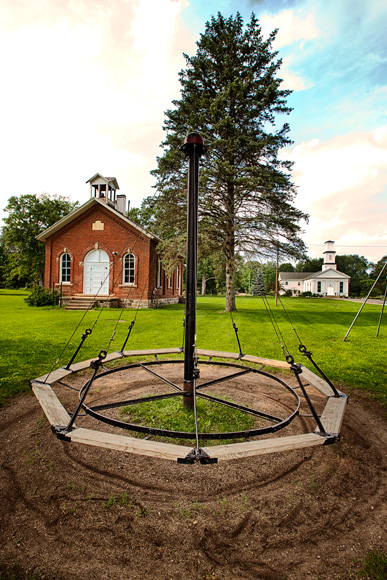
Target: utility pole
x=276 y=275
x=194 y=148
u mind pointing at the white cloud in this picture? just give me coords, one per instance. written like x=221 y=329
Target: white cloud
x=342 y=184
x=353 y=163
x=293 y=26
x=293 y=80
x=87 y=86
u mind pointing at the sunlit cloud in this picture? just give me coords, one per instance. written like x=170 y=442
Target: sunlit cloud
x=340 y=184
x=293 y=25
x=355 y=163
x=88 y=84
x=293 y=80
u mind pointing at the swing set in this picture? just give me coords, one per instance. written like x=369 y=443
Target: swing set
x=279 y=403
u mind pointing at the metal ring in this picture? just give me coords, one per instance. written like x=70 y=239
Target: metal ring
x=94 y=411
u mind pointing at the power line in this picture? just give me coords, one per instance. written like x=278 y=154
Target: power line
x=345 y=246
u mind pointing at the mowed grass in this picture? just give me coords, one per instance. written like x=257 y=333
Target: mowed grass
x=171 y=415
x=33 y=340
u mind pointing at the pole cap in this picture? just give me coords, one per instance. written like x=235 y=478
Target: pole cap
x=194 y=142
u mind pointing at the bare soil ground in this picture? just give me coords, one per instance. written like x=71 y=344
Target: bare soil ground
x=84 y=513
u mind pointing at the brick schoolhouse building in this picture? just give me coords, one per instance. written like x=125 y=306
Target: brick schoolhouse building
x=97 y=253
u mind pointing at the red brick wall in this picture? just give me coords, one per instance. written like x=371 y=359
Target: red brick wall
x=78 y=238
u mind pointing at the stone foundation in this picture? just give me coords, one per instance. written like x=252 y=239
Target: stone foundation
x=81 y=302
x=151 y=303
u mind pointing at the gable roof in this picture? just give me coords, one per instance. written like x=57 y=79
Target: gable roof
x=109 y=180
x=294 y=275
x=328 y=273
x=81 y=210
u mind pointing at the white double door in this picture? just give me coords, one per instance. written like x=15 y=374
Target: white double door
x=96 y=273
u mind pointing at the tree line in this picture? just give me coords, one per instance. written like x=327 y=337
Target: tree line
x=363 y=273
x=22 y=256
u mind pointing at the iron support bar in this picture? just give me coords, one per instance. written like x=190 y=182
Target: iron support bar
x=221 y=379
x=127 y=337
x=362 y=306
x=83 y=338
x=296 y=368
x=246 y=410
x=95 y=365
x=237 y=337
x=381 y=312
x=308 y=354
x=160 y=377
x=149 y=399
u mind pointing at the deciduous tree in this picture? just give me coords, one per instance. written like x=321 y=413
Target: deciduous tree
x=377 y=268
x=357 y=267
x=28 y=216
x=310 y=265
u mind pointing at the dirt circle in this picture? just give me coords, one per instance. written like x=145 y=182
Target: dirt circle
x=84 y=513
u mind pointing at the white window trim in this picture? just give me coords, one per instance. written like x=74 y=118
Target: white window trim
x=159 y=273
x=178 y=280
x=124 y=270
x=61 y=281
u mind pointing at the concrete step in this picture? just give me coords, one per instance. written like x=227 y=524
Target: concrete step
x=79 y=303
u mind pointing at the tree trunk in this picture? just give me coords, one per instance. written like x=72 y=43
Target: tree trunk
x=276 y=278
x=230 y=273
x=204 y=283
x=230 y=249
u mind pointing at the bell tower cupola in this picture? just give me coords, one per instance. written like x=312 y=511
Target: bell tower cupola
x=329 y=256
x=104 y=189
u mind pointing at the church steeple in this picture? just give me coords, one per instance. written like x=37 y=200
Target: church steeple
x=329 y=256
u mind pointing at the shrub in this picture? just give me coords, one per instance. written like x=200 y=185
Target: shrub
x=41 y=296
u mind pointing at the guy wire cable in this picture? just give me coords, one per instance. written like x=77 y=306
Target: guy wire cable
x=114 y=261
x=276 y=328
x=289 y=319
x=308 y=354
x=86 y=311
x=128 y=294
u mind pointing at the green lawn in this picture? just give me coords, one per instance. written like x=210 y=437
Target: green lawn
x=33 y=339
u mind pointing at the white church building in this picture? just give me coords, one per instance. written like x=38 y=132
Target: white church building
x=328 y=282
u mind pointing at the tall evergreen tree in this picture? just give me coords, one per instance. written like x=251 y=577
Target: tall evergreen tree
x=230 y=93
x=259 y=285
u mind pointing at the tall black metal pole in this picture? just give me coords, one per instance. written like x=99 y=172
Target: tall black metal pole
x=194 y=148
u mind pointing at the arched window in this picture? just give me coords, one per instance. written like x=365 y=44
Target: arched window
x=159 y=273
x=178 y=280
x=65 y=268
x=129 y=268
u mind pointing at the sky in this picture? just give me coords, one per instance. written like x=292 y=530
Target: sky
x=86 y=84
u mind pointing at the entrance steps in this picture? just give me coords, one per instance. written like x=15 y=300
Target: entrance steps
x=78 y=302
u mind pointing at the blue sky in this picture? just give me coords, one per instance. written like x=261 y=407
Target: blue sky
x=88 y=81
